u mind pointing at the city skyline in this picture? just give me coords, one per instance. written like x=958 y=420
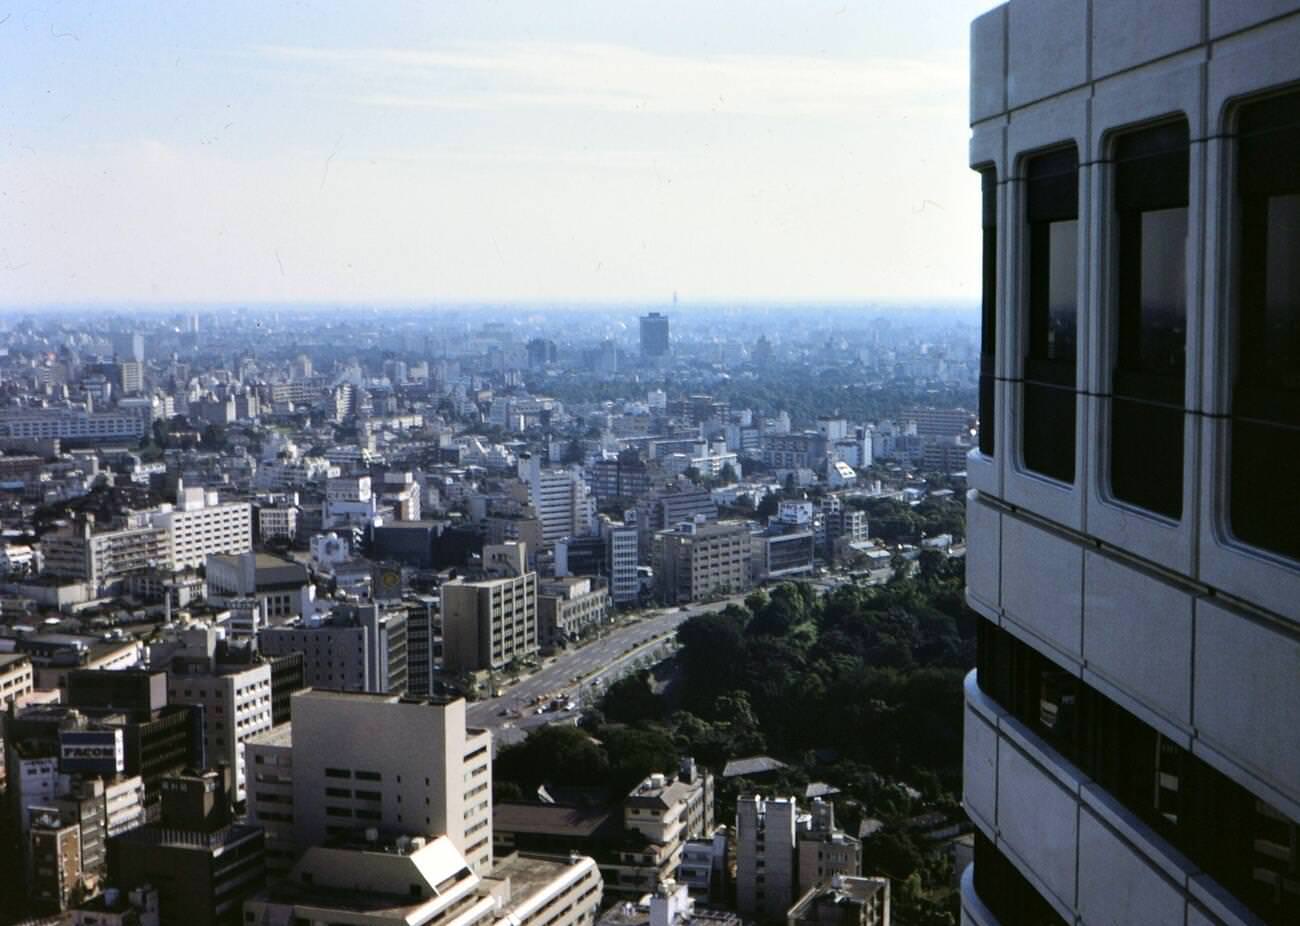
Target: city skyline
x=504 y=153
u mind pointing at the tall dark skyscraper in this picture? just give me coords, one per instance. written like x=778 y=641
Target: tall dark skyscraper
x=1132 y=544
x=654 y=336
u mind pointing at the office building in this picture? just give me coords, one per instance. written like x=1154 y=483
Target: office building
x=423 y=643
x=654 y=336
x=280 y=587
x=566 y=607
x=666 y=508
x=487 y=623
x=236 y=705
x=355 y=647
x=1132 y=544
x=695 y=561
x=623 y=556
x=401 y=766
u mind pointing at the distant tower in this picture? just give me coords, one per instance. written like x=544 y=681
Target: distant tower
x=654 y=335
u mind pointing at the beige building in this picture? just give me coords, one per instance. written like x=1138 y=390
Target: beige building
x=665 y=812
x=81 y=553
x=696 y=560
x=487 y=623
x=15 y=678
x=417 y=882
x=568 y=606
x=351 y=762
x=823 y=851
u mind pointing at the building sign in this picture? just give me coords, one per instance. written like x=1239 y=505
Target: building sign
x=99 y=751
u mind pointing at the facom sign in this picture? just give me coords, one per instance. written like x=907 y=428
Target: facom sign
x=99 y=751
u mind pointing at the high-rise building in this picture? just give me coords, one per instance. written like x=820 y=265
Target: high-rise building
x=1132 y=541
x=560 y=499
x=654 y=336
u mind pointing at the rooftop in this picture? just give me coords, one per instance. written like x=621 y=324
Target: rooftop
x=752 y=765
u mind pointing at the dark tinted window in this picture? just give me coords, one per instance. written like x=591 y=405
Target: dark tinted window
x=1151 y=196
x=988 y=313
x=1266 y=392
x=1052 y=212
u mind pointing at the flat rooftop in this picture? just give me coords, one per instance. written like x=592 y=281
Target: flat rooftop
x=281 y=735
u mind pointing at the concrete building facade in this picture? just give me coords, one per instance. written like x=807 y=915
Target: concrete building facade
x=694 y=561
x=1132 y=548
x=402 y=766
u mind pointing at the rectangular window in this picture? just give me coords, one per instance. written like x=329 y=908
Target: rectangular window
x=1052 y=213
x=1151 y=195
x=1266 y=387
x=988 y=309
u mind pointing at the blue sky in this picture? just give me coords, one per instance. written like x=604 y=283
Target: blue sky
x=329 y=151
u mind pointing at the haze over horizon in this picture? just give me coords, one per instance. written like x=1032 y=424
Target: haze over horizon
x=503 y=152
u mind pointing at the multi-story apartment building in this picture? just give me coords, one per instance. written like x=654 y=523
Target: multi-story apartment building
x=765 y=856
x=402 y=766
x=1133 y=552
x=822 y=851
x=664 y=812
x=15 y=678
x=697 y=560
x=843 y=901
x=81 y=553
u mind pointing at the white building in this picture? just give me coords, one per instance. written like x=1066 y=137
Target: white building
x=199 y=524
x=1132 y=543
x=561 y=499
x=622 y=544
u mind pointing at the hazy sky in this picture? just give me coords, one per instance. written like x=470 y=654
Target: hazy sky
x=486 y=149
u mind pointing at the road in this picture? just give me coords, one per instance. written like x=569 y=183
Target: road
x=599 y=662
